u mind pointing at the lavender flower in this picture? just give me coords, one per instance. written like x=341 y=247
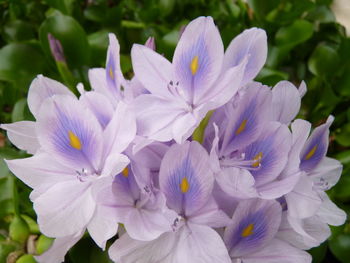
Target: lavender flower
x=120 y=158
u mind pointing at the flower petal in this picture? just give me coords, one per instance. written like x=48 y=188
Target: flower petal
x=254 y=224
x=245 y=121
x=23 y=135
x=59 y=248
x=198 y=58
x=278 y=251
x=65 y=208
x=152 y=70
x=70 y=133
x=185 y=177
x=286 y=102
x=251 y=43
x=315 y=147
x=42 y=88
x=100 y=105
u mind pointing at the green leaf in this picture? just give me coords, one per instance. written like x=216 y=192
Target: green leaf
x=18 y=30
x=71 y=35
x=14 y=64
x=98 y=42
x=65 y=6
x=323 y=60
x=295 y=34
x=340 y=247
x=343 y=135
x=318 y=253
x=21 y=111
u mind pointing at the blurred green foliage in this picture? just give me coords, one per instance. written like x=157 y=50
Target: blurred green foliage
x=305 y=43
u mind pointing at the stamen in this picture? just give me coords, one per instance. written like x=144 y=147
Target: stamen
x=74 y=141
x=194 y=65
x=257 y=158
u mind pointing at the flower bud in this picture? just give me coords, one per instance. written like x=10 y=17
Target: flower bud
x=26 y=259
x=43 y=244
x=19 y=230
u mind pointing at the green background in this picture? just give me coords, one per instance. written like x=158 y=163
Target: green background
x=305 y=43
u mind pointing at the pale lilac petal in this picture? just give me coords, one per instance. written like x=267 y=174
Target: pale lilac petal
x=114 y=164
x=40 y=171
x=65 y=208
x=237 y=183
x=128 y=250
x=70 y=133
x=271 y=152
x=254 y=224
x=59 y=248
x=251 y=43
x=100 y=105
x=278 y=251
x=327 y=173
x=185 y=177
x=23 y=135
x=198 y=58
x=103 y=225
x=300 y=132
x=152 y=70
x=155 y=117
x=316 y=232
x=286 y=102
x=279 y=187
x=302 y=89
x=146 y=225
x=195 y=244
x=42 y=88
x=210 y=215
x=246 y=121
x=330 y=213
x=120 y=131
x=303 y=201
x=113 y=72
x=225 y=88
x=183 y=127
x=316 y=146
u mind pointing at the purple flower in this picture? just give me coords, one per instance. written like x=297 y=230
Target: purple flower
x=200 y=78
x=187 y=182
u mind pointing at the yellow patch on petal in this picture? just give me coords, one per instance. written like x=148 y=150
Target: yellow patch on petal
x=184 y=185
x=194 y=65
x=125 y=172
x=257 y=158
x=111 y=73
x=241 y=127
x=311 y=153
x=248 y=231
x=74 y=141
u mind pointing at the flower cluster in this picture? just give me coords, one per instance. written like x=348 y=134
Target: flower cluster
x=194 y=160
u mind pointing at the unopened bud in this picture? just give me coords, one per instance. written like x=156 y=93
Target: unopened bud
x=56 y=48
x=150 y=43
x=26 y=259
x=43 y=244
x=19 y=230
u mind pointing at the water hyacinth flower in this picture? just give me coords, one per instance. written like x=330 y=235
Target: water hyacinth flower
x=120 y=158
x=187 y=182
x=200 y=78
